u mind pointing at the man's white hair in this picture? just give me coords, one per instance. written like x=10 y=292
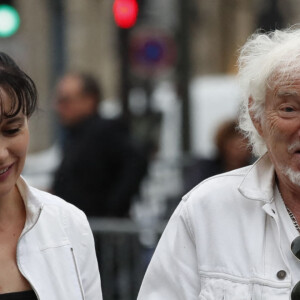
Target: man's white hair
x=266 y=60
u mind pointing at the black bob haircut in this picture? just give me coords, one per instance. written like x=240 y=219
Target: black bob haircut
x=19 y=87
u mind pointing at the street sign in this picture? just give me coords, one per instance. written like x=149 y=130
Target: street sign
x=151 y=52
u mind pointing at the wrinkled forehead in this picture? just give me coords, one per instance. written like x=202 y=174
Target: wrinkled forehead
x=285 y=80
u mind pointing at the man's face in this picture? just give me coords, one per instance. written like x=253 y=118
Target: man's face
x=71 y=104
x=280 y=129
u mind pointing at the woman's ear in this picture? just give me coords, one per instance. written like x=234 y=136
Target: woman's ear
x=255 y=121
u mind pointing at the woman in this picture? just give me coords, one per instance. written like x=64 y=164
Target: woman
x=46 y=245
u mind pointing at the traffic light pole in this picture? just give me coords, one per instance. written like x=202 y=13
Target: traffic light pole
x=57 y=39
x=57 y=13
x=183 y=76
x=124 y=74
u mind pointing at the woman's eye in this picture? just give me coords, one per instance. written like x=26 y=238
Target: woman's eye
x=12 y=131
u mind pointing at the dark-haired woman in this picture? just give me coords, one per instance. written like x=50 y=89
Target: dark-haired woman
x=46 y=245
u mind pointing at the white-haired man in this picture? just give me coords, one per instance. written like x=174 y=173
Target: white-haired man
x=236 y=235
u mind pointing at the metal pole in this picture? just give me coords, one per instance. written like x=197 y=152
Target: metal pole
x=57 y=39
x=124 y=73
x=271 y=18
x=184 y=71
x=58 y=57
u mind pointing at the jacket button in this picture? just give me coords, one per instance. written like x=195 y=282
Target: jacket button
x=281 y=274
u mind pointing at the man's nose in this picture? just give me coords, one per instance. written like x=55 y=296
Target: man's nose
x=298 y=131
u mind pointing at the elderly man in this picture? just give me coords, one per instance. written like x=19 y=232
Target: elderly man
x=236 y=235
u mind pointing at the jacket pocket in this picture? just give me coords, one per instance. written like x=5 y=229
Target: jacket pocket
x=63 y=275
x=226 y=289
x=222 y=289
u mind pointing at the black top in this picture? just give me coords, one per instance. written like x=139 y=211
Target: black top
x=27 y=295
x=200 y=169
x=101 y=167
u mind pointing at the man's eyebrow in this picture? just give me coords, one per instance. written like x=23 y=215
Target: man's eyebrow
x=283 y=94
x=14 y=120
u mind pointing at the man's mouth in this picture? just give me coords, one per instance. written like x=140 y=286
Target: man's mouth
x=294 y=148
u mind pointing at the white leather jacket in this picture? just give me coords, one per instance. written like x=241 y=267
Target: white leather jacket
x=222 y=242
x=56 y=251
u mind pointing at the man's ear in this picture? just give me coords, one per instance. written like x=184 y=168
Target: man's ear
x=256 y=123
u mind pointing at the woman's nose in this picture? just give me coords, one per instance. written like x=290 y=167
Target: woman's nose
x=3 y=152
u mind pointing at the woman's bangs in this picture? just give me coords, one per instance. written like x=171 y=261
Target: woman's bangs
x=16 y=103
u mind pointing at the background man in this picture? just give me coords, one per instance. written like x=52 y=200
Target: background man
x=101 y=167
x=231 y=236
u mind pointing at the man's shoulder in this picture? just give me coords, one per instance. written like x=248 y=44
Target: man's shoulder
x=219 y=187
x=219 y=198
x=107 y=128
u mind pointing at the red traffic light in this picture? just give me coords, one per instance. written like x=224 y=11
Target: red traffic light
x=125 y=13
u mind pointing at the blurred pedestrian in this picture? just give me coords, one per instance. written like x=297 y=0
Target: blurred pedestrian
x=47 y=248
x=232 y=153
x=237 y=234
x=102 y=166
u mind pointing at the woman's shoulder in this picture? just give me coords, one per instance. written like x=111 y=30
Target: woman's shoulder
x=54 y=204
x=62 y=217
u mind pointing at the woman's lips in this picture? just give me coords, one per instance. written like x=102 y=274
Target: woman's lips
x=4 y=172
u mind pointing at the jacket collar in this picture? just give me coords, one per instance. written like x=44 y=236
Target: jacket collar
x=32 y=203
x=258 y=183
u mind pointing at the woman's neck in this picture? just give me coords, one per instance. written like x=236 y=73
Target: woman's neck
x=12 y=208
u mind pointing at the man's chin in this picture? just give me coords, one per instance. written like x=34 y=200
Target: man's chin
x=293 y=176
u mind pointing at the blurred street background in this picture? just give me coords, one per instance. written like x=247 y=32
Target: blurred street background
x=166 y=68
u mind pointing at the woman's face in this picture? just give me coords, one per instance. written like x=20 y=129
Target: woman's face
x=14 y=140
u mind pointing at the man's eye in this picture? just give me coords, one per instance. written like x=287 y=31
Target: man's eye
x=288 y=109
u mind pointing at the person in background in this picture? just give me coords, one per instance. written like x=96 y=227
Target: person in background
x=47 y=247
x=232 y=153
x=102 y=166
x=237 y=235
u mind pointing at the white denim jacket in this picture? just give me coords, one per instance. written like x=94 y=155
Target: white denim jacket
x=222 y=242
x=56 y=251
